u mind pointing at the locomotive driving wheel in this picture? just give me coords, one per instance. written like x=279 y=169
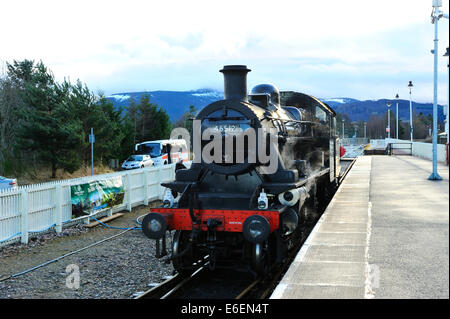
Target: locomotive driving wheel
x=181 y=252
x=260 y=260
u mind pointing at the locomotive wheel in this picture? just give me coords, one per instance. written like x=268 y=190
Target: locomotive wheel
x=259 y=259
x=183 y=259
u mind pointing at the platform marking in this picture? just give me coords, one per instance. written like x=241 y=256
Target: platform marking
x=368 y=291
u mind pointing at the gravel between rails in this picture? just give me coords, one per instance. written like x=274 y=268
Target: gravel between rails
x=117 y=268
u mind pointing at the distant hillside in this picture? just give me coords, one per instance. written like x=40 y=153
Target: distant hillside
x=336 y=102
x=362 y=110
x=177 y=103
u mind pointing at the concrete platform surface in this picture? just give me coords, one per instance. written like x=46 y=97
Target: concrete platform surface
x=384 y=235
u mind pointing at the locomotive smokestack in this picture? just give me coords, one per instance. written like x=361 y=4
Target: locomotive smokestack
x=235 y=77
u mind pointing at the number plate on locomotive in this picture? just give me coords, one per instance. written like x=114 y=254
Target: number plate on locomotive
x=232 y=129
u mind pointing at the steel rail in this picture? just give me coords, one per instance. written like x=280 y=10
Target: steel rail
x=248 y=289
x=168 y=287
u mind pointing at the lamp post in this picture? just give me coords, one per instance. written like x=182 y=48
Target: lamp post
x=448 y=96
x=365 y=129
x=343 y=129
x=410 y=86
x=396 y=117
x=389 y=119
x=435 y=16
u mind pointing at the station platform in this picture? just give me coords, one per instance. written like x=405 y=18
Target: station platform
x=385 y=234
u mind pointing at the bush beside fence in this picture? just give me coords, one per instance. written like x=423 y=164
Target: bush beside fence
x=30 y=210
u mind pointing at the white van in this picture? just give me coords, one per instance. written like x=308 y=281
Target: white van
x=160 y=151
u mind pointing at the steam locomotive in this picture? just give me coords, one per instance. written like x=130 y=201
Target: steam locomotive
x=263 y=164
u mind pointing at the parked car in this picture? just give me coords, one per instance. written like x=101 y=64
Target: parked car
x=137 y=161
x=7 y=183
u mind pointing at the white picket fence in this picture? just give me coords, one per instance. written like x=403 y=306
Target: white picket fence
x=30 y=210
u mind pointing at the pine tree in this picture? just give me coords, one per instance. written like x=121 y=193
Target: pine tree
x=153 y=123
x=111 y=135
x=186 y=120
x=48 y=126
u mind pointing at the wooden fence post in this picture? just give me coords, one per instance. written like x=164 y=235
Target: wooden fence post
x=24 y=218
x=145 y=178
x=58 y=209
x=159 y=180
x=129 y=192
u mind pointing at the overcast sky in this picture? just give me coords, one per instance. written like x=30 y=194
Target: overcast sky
x=349 y=48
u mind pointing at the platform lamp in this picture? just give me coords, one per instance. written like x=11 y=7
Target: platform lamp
x=389 y=118
x=448 y=96
x=435 y=16
x=396 y=116
x=410 y=86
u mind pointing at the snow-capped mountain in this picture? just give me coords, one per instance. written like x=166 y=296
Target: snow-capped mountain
x=333 y=102
x=176 y=103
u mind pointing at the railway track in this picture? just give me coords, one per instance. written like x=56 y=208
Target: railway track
x=227 y=284
x=182 y=286
x=169 y=286
x=222 y=283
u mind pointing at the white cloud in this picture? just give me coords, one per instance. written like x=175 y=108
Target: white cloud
x=123 y=46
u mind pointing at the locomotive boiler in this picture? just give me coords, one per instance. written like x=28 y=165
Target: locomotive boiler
x=262 y=163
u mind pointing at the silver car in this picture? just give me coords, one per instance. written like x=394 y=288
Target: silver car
x=7 y=183
x=137 y=161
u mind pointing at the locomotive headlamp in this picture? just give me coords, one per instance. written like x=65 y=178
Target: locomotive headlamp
x=154 y=226
x=263 y=201
x=168 y=198
x=256 y=229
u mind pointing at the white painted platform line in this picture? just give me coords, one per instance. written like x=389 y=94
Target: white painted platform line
x=368 y=292
x=333 y=262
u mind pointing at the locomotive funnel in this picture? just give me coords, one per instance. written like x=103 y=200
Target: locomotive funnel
x=235 y=77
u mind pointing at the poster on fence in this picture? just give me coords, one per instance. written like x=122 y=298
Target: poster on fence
x=89 y=197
